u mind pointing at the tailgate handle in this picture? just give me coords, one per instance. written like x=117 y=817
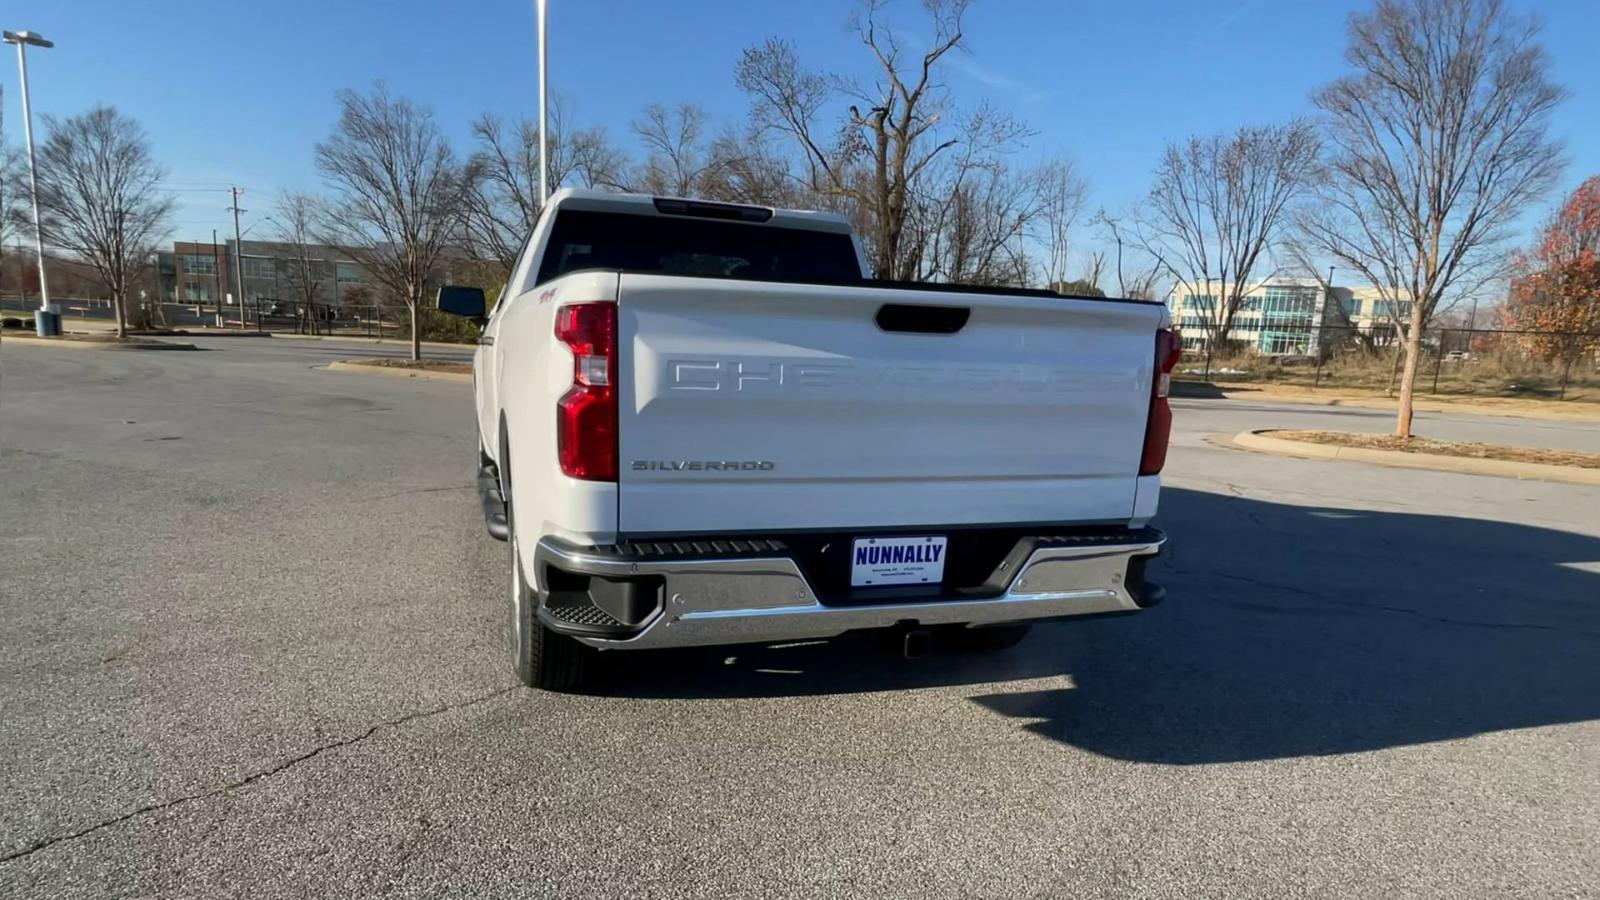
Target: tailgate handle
x=907 y=318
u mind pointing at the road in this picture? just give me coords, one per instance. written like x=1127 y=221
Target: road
x=252 y=647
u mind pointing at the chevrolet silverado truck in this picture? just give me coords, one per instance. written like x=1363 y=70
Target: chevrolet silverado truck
x=702 y=423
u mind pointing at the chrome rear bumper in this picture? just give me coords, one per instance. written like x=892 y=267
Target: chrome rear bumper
x=766 y=598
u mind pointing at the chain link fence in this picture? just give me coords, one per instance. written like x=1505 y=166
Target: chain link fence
x=1489 y=362
x=265 y=316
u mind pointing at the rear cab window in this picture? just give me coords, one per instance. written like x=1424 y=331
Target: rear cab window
x=673 y=245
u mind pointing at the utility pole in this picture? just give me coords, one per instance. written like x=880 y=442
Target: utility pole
x=238 y=256
x=217 y=268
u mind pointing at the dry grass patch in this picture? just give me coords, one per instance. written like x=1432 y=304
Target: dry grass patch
x=420 y=365
x=1444 y=448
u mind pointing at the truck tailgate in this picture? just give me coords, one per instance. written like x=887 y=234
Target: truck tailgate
x=749 y=406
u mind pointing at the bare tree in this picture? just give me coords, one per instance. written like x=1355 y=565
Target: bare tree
x=1062 y=192
x=503 y=204
x=307 y=268
x=751 y=170
x=1134 y=282
x=678 y=160
x=98 y=197
x=873 y=156
x=1094 y=270
x=12 y=179
x=399 y=193
x=595 y=162
x=1439 y=139
x=968 y=223
x=1214 y=213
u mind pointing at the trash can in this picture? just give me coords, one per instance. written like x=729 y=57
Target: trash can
x=46 y=323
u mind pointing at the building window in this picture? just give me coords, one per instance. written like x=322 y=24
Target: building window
x=196 y=293
x=347 y=273
x=1282 y=342
x=199 y=264
x=259 y=267
x=1288 y=305
x=1392 y=309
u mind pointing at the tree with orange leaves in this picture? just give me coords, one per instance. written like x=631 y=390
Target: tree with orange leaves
x=1557 y=283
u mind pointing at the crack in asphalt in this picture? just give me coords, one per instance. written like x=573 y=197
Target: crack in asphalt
x=427 y=490
x=47 y=843
x=1400 y=610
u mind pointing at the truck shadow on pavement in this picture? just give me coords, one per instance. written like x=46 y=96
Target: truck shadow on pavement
x=1288 y=631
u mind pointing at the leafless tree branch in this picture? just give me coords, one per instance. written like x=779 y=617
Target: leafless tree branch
x=399 y=193
x=1438 y=139
x=99 y=197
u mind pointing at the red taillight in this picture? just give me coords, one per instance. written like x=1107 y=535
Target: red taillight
x=586 y=415
x=1158 y=428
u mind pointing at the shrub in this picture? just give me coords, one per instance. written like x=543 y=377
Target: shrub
x=437 y=326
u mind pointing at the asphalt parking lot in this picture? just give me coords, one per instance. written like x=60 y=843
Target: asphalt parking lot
x=251 y=646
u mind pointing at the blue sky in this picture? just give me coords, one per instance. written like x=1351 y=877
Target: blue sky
x=238 y=93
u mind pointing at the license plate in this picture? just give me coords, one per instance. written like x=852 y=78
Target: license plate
x=897 y=560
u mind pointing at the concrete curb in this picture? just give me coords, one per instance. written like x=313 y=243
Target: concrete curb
x=1262 y=441
x=393 y=372
x=98 y=345
x=358 y=339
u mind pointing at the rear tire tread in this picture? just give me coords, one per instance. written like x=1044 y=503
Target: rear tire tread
x=556 y=662
x=541 y=658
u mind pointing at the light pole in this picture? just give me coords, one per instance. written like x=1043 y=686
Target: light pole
x=22 y=39
x=544 y=142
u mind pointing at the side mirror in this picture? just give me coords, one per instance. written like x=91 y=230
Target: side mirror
x=462 y=301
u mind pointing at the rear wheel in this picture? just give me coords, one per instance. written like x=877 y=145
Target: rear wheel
x=541 y=658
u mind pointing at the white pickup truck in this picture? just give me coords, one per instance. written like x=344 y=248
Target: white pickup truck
x=701 y=423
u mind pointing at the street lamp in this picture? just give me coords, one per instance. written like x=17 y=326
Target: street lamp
x=544 y=142
x=22 y=39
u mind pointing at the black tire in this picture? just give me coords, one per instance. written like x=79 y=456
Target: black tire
x=541 y=658
x=992 y=639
